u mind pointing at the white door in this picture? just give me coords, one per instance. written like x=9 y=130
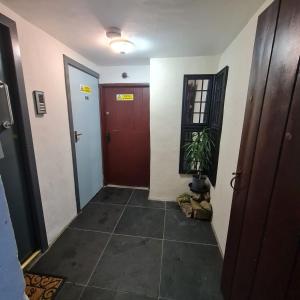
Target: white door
x=84 y=94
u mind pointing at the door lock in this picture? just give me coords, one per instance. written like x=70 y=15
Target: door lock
x=77 y=136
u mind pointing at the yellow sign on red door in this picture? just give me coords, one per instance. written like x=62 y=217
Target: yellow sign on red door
x=125 y=97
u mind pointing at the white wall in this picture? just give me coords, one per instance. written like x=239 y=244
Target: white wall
x=166 y=88
x=238 y=56
x=43 y=70
x=136 y=74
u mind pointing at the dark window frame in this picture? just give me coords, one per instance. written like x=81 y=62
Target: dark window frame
x=192 y=127
x=217 y=83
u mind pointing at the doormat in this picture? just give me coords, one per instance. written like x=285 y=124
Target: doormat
x=42 y=287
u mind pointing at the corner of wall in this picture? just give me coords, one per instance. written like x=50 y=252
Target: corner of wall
x=238 y=56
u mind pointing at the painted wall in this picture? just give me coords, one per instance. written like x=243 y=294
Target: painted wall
x=166 y=88
x=238 y=56
x=43 y=70
x=12 y=281
x=42 y=58
x=136 y=74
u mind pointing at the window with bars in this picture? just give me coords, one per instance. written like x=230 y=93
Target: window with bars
x=202 y=107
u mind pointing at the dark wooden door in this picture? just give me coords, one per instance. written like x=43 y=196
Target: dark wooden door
x=262 y=252
x=265 y=35
x=126 y=134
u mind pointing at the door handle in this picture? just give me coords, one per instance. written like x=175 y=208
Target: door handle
x=107 y=136
x=76 y=136
x=232 y=181
x=7 y=123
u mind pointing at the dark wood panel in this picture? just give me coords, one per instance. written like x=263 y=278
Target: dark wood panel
x=276 y=106
x=259 y=73
x=279 y=256
x=293 y=292
x=280 y=248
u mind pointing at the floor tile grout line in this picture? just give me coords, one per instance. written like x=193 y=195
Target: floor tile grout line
x=89 y=230
x=147 y=207
x=192 y=243
x=118 y=291
x=133 y=205
x=103 y=251
x=130 y=205
x=162 y=253
x=104 y=203
x=137 y=236
x=144 y=237
x=125 y=206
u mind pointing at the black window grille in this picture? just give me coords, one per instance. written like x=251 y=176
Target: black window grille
x=202 y=107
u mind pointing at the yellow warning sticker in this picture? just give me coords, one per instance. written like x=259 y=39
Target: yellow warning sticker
x=125 y=97
x=85 y=89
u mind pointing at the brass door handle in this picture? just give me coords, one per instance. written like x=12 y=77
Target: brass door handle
x=232 y=181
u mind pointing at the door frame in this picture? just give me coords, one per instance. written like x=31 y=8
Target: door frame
x=71 y=62
x=27 y=148
x=102 y=119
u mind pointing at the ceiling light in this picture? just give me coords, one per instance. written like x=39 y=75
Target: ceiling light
x=122 y=46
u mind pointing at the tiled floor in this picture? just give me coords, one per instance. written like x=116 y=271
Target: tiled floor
x=125 y=247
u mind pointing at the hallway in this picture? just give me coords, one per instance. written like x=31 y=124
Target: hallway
x=123 y=246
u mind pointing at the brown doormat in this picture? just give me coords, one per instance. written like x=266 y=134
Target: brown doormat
x=42 y=287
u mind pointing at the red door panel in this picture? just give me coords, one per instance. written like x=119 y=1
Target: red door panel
x=126 y=136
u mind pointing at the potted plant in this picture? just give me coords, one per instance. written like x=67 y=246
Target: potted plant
x=198 y=154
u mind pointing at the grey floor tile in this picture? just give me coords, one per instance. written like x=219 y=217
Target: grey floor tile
x=113 y=195
x=69 y=291
x=91 y=293
x=172 y=205
x=147 y=222
x=97 y=216
x=73 y=255
x=140 y=198
x=130 y=264
x=191 y=272
x=180 y=228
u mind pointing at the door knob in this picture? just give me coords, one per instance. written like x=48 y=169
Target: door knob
x=77 y=136
x=232 y=181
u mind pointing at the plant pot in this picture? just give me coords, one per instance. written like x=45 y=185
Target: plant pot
x=200 y=184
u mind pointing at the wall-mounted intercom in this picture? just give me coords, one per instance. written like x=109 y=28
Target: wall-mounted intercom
x=40 y=105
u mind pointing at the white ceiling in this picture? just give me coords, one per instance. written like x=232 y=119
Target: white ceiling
x=159 y=28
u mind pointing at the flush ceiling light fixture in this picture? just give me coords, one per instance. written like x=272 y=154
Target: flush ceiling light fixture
x=122 y=46
x=118 y=44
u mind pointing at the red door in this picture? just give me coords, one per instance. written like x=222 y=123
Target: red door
x=126 y=134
